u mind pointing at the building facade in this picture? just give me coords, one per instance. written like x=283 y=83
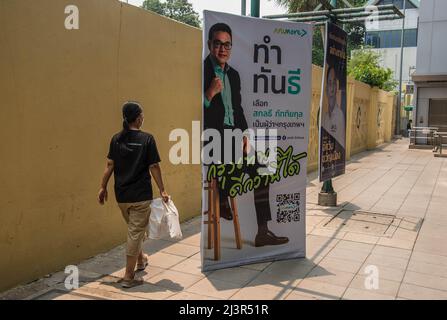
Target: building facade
x=385 y=38
x=431 y=69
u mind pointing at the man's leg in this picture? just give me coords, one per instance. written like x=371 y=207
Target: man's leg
x=130 y=268
x=262 y=207
x=138 y=219
x=263 y=213
x=142 y=261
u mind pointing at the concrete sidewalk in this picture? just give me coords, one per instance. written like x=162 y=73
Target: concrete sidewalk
x=392 y=215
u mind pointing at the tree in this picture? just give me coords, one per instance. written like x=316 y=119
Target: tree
x=364 y=66
x=180 y=10
x=356 y=31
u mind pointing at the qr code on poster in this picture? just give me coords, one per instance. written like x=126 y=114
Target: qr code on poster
x=288 y=207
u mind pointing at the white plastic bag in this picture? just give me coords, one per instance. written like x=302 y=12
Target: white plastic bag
x=172 y=220
x=155 y=219
x=164 y=220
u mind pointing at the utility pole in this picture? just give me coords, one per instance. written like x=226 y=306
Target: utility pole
x=243 y=7
x=399 y=97
x=255 y=8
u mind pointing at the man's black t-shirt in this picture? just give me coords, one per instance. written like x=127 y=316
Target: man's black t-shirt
x=131 y=169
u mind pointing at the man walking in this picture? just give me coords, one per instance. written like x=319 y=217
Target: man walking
x=132 y=155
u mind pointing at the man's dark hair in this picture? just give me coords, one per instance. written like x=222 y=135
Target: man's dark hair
x=219 y=27
x=131 y=111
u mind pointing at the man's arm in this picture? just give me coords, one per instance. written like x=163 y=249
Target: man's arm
x=156 y=174
x=102 y=195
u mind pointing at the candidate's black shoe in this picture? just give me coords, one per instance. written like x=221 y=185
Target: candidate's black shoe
x=275 y=236
x=269 y=239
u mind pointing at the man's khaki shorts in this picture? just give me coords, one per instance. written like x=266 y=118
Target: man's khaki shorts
x=137 y=218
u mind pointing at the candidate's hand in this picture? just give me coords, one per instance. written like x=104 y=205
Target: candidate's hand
x=216 y=87
x=102 y=196
x=246 y=147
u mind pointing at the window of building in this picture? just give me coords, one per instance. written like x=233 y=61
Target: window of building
x=391 y=38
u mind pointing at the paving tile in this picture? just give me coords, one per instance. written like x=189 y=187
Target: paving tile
x=425 y=280
x=193 y=240
x=385 y=287
x=256 y=293
x=257 y=266
x=355 y=246
x=298 y=267
x=394 y=252
x=214 y=288
x=192 y=266
x=363 y=238
x=164 y=260
x=174 y=280
x=348 y=254
x=328 y=233
x=427 y=268
x=429 y=258
x=340 y=264
x=239 y=276
x=385 y=273
x=387 y=261
x=104 y=294
x=331 y=276
x=413 y=292
x=183 y=250
x=396 y=243
x=431 y=245
x=145 y=291
x=356 y=294
x=184 y=295
x=276 y=281
x=319 y=290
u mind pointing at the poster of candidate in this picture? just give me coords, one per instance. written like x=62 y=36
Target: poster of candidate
x=256 y=102
x=333 y=105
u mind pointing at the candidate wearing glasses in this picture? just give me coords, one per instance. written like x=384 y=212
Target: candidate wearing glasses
x=223 y=110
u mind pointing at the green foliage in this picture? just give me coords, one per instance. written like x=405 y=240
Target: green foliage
x=180 y=10
x=364 y=66
x=318 y=48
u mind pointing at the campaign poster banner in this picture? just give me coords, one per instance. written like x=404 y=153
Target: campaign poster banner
x=333 y=105
x=257 y=84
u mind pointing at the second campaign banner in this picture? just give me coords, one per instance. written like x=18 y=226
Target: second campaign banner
x=257 y=86
x=333 y=105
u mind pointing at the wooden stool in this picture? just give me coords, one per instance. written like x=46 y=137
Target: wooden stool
x=214 y=219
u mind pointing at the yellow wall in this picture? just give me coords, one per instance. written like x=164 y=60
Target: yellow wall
x=61 y=94
x=369 y=117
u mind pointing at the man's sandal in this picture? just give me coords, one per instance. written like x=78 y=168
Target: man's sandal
x=142 y=267
x=131 y=283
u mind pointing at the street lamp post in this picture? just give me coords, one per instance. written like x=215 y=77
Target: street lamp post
x=399 y=97
x=327 y=195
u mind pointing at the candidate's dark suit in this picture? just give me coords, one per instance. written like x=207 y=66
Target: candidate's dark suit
x=215 y=113
x=214 y=116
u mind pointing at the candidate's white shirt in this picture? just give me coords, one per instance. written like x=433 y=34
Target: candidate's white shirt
x=335 y=125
